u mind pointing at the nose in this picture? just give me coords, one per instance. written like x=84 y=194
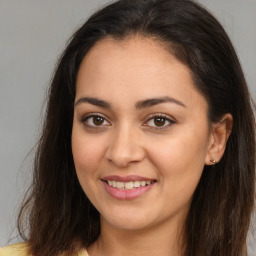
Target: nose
x=125 y=147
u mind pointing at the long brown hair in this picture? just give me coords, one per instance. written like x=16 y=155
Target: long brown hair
x=58 y=215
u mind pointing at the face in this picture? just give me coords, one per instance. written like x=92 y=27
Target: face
x=140 y=133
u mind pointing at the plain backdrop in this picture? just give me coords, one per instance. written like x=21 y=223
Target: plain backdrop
x=32 y=36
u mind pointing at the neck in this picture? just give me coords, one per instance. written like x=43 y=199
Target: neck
x=166 y=239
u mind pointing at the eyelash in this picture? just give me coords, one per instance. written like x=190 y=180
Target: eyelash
x=165 y=117
x=151 y=117
x=85 y=119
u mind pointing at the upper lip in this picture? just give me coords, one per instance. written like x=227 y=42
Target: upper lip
x=127 y=178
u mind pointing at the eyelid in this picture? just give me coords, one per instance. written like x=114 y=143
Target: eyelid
x=165 y=116
x=84 y=118
x=168 y=118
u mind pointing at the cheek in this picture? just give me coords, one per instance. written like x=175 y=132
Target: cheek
x=179 y=153
x=86 y=152
x=180 y=160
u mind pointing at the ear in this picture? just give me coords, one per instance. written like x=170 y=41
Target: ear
x=218 y=139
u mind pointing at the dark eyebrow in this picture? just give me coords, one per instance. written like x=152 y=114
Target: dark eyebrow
x=155 y=101
x=93 y=101
x=139 y=105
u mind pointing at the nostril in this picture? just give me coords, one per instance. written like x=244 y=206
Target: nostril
x=124 y=149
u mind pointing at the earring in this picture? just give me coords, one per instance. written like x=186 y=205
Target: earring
x=212 y=160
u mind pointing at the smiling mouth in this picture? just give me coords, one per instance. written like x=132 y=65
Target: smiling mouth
x=129 y=185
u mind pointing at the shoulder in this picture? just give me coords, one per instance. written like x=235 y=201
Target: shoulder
x=20 y=249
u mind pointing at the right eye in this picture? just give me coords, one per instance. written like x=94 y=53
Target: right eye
x=94 y=121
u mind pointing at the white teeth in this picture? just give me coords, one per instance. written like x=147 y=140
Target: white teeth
x=128 y=185
x=119 y=184
x=136 y=184
x=143 y=183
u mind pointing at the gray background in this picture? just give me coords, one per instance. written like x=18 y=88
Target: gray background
x=32 y=35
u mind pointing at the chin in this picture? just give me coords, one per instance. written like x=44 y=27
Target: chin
x=130 y=225
x=130 y=222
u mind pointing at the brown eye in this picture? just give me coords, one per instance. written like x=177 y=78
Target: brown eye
x=159 y=121
x=98 y=120
x=94 y=121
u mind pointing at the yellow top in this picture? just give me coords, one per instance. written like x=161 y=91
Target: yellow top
x=21 y=250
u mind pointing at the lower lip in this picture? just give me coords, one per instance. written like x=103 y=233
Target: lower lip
x=127 y=194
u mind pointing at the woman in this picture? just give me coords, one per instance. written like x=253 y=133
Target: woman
x=148 y=145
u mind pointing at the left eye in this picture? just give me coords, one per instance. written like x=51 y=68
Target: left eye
x=159 y=121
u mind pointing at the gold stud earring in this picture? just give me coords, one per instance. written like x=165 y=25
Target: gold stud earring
x=212 y=160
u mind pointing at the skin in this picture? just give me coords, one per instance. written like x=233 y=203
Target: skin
x=127 y=141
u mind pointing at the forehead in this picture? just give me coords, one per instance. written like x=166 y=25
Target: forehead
x=132 y=52
x=135 y=67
